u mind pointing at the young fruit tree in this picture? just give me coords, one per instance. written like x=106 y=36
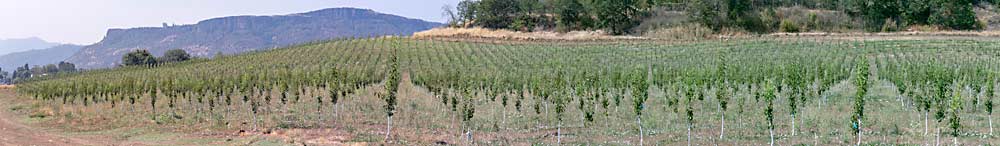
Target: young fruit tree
x=954 y=121
x=391 y=86
x=639 y=93
x=769 y=96
x=989 y=103
x=468 y=111
x=861 y=83
x=689 y=111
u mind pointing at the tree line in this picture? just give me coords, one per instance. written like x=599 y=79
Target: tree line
x=25 y=72
x=144 y=58
x=134 y=58
x=622 y=16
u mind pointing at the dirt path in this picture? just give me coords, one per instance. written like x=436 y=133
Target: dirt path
x=13 y=132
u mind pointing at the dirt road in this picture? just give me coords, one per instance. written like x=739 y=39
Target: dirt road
x=13 y=132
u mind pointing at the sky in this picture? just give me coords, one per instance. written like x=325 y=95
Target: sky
x=85 y=22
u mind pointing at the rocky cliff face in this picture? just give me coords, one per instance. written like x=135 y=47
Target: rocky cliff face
x=229 y=35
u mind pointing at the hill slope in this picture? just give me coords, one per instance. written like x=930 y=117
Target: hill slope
x=38 y=57
x=237 y=34
x=23 y=44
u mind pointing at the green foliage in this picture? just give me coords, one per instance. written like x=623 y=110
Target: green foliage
x=954 y=14
x=496 y=14
x=174 y=55
x=769 y=95
x=572 y=15
x=618 y=16
x=954 y=121
x=861 y=83
x=640 y=91
x=138 y=57
x=789 y=26
x=392 y=85
x=874 y=13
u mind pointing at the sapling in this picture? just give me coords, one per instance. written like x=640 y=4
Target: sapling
x=468 y=112
x=639 y=94
x=723 y=95
x=954 y=121
x=861 y=82
x=989 y=103
x=689 y=111
x=560 y=103
x=769 y=95
x=391 y=87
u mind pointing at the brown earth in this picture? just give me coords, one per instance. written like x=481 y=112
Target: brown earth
x=13 y=132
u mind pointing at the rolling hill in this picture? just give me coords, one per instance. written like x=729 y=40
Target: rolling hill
x=38 y=57
x=229 y=35
x=23 y=44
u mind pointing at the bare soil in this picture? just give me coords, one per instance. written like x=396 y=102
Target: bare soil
x=13 y=132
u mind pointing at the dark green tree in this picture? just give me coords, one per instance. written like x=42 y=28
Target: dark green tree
x=138 y=57
x=953 y=14
x=66 y=67
x=572 y=15
x=617 y=16
x=174 y=55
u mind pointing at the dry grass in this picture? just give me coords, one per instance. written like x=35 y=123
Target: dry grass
x=6 y=86
x=513 y=35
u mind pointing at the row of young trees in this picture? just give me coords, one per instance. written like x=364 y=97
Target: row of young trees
x=549 y=81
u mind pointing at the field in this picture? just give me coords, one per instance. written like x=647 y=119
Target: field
x=628 y=92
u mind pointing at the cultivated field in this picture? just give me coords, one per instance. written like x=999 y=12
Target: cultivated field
x=626 y=92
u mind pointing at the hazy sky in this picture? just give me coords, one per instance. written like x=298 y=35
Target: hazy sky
x=86 y=21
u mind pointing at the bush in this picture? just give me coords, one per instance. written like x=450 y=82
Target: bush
x=789 y=26
x=956 y=15
x=175 y=55
x=138 y=57
x=890 y=26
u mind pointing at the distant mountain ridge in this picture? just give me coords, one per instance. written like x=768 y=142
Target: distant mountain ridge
x=51 y=55
x=237 y=34
x=23 y=44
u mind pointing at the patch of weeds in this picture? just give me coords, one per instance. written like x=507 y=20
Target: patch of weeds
x=167 y=118
x=17 y=108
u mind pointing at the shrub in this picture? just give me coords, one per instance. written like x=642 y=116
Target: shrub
x=138 y=57
x=955 y=15
x=890 y=26
x=175 y=55
x=789 y=26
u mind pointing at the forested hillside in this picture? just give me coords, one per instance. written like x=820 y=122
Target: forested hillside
x=756 y=16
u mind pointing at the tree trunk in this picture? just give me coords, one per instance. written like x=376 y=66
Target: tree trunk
x=772 y=135
x=901 y=104
x=793 y=124
x=559 y=134
x=388 y=127
x=925 y=123
x=937 y=141
x=639 y=122
x=471 y=141
x=990 y=117
x=954 y=140
x=689 y=134
x=860 y=128
x=723 y=132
